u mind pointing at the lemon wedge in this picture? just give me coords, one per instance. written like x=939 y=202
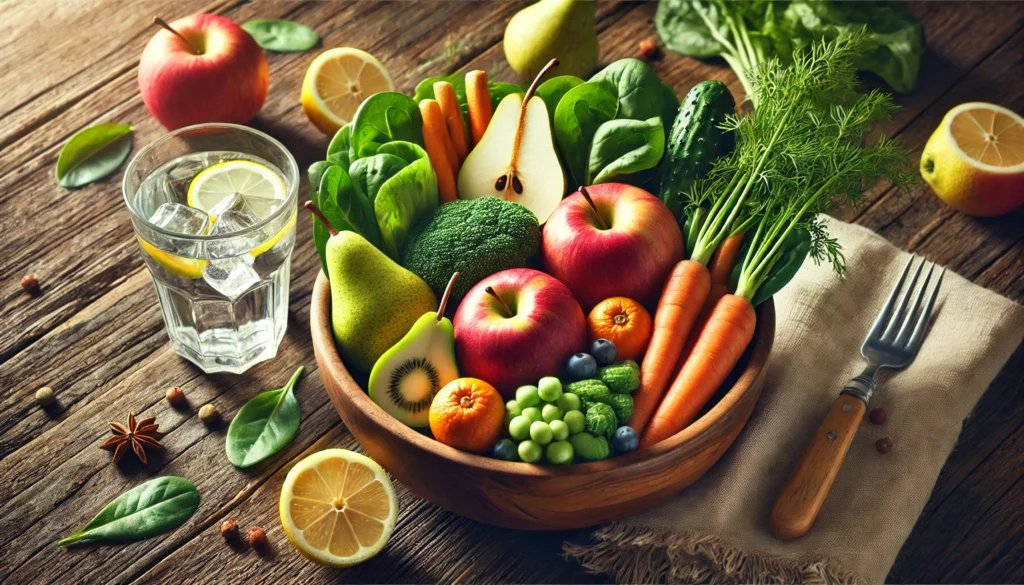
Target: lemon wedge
x=337 y=81
x=338 y=507
x=177 y=265
x=974 y=161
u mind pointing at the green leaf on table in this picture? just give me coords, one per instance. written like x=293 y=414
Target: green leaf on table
x=264 y=425
x=282 y=36
x=155 y=507
x=93 y=153
x=624 y=147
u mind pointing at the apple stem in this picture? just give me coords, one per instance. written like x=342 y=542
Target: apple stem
x=490 y=290
x=163 y=24
x=600 y=220
x=323 y=218
x=512 y=179
x=444 y=297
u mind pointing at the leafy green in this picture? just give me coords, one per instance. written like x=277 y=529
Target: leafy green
x=338 y=149
x=577 y=117
x=93 y=153
x=155 y=507
x=353 y=207
x=552 y=91
x=282 y=36
x=320 y=235
x=425 y=90
x=748 y=33
x=264 y=425
x=623 y=147
x=384 y=117
x=641 y=94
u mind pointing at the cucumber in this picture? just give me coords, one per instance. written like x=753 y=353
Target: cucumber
x=695 y=141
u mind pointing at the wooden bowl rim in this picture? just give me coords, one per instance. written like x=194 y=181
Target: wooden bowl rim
x=323 y=337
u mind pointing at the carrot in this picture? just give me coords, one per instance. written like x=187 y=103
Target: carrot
x=444 y=93
x=728 y=331
x=681 y=300
x=724 y=259
x=478 y=98
x=435 y=134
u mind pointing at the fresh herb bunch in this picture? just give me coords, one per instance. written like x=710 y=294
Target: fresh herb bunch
x=804 y=148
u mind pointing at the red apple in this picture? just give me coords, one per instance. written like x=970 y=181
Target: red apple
x=628 y=251
x=213 y=72
x=528 y=334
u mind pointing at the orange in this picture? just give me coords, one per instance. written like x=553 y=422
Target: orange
x=467 y=414
x=624 y=322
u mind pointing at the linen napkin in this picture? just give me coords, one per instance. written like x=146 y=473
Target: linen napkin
x=717 y=529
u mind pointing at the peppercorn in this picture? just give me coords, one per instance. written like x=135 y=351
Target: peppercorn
x=176 y=397
x=209 y=415
x=884 y=445
x=877 y=416
x=229 y=530
x=257 y=538
x=648 y=50
x=45 y=396
x=30 y=282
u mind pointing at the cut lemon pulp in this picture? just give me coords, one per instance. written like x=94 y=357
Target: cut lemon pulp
x=337 y=82
x=338 y=507
x=988 y=134
x=263 y=189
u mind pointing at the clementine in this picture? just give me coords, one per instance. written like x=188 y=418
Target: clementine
x=467 y=414
x=624 y=322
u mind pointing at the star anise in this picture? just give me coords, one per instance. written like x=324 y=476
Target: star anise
x=138 y=436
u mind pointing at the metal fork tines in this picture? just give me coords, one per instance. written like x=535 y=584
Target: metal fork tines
x=899 y=328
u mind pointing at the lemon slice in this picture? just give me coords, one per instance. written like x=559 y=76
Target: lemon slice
x=989 y=136
x=263 y=189
x=178 y=265
x=337 y=81
x=338 y=507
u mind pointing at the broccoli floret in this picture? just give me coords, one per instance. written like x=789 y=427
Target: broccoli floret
x=601 y=420
x=476 y=238
x=590 y=448
x=622 y=404
x=621 y=377
x=589 y=391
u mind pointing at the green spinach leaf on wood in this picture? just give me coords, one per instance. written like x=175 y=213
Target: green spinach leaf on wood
x=155 y=507
x=264 y=425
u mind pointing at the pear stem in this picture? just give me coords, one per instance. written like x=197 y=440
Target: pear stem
x=444 y=297
x=323 y=218
x=490 y=290
x=512 y=166
x=600 y=220
x=163 y=24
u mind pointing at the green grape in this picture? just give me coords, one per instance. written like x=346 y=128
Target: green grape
x=512 y=407
x=530 y=452
x=551 y=412
x=519 y=428
x=560 y=452
x=576 y=421
x=549 y=388
x=541 y=432
x=568 y=402
x=527 y=396
x=559 y=430
x=532 y=413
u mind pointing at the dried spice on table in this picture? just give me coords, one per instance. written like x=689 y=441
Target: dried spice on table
x=137 y=437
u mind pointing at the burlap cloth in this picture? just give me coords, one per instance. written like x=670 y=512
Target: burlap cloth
x=716 y=530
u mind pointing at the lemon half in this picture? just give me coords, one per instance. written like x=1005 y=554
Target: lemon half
x=337 y=82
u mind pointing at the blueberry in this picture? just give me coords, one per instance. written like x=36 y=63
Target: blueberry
x=582 y=366
x=604 y=352
x=506 y=450
x=625 y=440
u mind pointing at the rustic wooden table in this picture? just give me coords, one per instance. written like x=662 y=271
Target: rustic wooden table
x=95 y=334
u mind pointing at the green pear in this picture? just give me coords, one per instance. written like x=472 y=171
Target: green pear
x=553 y=29
x=516 y=158
x=374 y=301
x=405 y=379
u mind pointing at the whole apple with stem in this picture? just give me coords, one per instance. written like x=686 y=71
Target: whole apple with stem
x=515 y=327
x=202 y=68
x=611 y=240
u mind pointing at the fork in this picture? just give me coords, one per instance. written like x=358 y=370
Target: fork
x=892 y=342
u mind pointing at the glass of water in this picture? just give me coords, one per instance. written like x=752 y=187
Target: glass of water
x=214 y=208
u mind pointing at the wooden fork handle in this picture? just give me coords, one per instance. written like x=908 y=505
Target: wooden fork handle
x=801 y=498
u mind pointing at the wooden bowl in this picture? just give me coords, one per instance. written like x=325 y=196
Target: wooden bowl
x=535 y=497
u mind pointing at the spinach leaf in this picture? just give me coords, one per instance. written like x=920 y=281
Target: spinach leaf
x=794 y=252
x=425 y=90
x=155 y=507
x=407 y=196
x=641 y=94
x=264 y=425
x=93 y=153
x=579 y=114
x=552 y=91
x=320 y=235
x=338 y=149
x=683 y=30
x=341 y=200
x=623 y=147
x=282 y=36
x=382 y=118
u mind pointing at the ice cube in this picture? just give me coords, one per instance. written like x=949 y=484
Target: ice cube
x=231 y=222
x=180 y=176
x=230 y=276
x=155 y=191
x=237 y=203
x=181 y=219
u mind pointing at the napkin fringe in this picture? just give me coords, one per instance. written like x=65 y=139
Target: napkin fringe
x=638 y=554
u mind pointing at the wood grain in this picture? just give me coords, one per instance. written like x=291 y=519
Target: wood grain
x=96 y=337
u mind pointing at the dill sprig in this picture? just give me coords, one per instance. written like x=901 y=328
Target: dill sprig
x=804 y=148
